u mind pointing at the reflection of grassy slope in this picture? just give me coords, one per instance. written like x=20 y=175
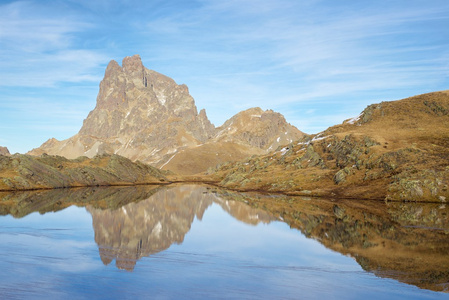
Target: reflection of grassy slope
x=395 y=150
x=22 y=172
x=407 y=242
x=20 y=204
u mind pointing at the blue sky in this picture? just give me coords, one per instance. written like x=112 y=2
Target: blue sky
x=316 y=62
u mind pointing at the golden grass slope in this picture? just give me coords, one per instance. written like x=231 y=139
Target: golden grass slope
x=26 y=172
x=394 y=150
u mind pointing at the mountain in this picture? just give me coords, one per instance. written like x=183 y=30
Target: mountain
x=26 y=172
x=144 y=115
x=4 y=151
x=250 y=132
x=396 y=150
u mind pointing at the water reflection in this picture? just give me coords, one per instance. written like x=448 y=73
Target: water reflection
x=404 y=241
x=408 y=242
x=133 y=222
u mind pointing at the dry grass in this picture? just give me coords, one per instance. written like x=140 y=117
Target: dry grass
x=397 y=150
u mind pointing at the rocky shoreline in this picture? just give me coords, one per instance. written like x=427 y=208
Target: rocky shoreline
x=26 y=172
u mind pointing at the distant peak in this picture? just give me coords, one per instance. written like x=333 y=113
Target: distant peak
x=112 y=67
x=132 y=63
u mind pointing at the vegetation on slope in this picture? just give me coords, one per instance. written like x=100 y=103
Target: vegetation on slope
x=25 y=172
x=394 y=150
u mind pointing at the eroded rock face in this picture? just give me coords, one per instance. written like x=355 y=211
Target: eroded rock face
x=144 y=115
x=4 y=151
x=257 y=128
x=140 y=114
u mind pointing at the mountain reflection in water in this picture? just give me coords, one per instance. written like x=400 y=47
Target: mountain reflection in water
x=140 y=229
x=408 y=242
x=404 y=241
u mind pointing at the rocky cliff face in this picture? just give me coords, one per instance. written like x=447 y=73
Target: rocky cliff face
x=4 y=151
x=144 y=115
x=140 y=114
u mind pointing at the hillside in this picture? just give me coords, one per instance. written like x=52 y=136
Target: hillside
x=395 y=150
x=25 y=172
x=250 y=132
x=144 y=115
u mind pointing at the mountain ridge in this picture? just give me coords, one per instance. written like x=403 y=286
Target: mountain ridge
x=395 y=150
x=144 y=115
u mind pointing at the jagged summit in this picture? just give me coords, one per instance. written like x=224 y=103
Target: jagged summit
x=144 y=115
x=134 y=100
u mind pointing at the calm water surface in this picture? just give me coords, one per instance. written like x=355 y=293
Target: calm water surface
x=192 y=242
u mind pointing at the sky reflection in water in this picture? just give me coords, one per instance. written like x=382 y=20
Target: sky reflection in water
x=209 y=254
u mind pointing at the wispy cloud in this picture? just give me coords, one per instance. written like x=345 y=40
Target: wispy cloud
x=39 y=47
x=331 y=58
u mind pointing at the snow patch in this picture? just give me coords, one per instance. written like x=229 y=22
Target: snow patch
x=161 y=97
x=318 y=138
x=278 y=139
x=168 y=161
x=254 y=217
x=353 y=120
x=129 y=142
x=157 y=229
x=284 y=150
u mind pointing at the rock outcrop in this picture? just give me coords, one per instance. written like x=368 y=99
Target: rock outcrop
x=394 y=150
x=144 y=115
x=4 y=151
x=26 y=172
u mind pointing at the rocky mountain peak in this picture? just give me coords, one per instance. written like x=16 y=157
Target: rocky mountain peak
x=132 y=64
x=142 y=114
x=4 y=151
x=262 y=129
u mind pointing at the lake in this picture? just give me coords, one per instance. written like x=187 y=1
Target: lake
x=201 y=242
